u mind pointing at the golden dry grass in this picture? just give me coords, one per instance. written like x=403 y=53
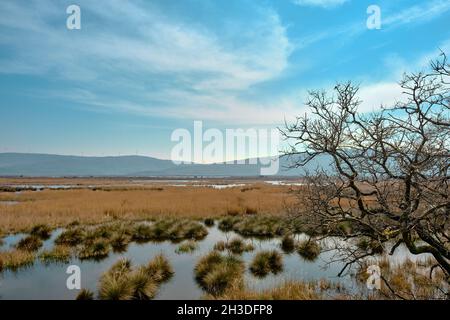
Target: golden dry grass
x=87 y=206
x=14 y=259
x=409 y=280
x=290 y=290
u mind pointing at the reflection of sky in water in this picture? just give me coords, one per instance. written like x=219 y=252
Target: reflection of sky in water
x=49 y=281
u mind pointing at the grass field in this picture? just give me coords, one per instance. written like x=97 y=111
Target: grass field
x=90 y=201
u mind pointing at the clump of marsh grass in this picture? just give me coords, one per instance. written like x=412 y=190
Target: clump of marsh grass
x=121 y=267
x=287 y=244
x=101 y=232
x=96 y=250
x=120 y=241
x=59 y=253
x=71 y=237
x=144 y=286
x=15 y=259
x=187 y=229
x=228 y=223
x=209 y=222
x=215 y=272
x=187 y=247
x=114 y=284
x=142 y=233
x=309 y=249
x=85 y=294
x=113 y=287
x=254 y=226
x=123 y=282
x=235 y=246
x=266 y=262
x=173 y=230
x=160 y=269
x=369 y=245
x=41 y=231
x=238 y=246
x=30 y=243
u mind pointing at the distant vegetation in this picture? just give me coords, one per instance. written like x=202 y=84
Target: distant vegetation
x=105 y=204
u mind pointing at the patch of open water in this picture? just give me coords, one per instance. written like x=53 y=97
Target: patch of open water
x=48 y=281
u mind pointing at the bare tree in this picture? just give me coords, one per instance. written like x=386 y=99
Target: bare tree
x=390 y=177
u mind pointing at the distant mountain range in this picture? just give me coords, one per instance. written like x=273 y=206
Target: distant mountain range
x=49 y=165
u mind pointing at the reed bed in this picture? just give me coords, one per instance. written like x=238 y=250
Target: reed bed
x=96 y=242
x=290 y=290
x=259 y=226
x=59 y=208
x=58 y=254
x=15 y=259
x=30 y=243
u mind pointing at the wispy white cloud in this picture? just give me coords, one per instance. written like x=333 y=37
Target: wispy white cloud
x=414 y=14
x=162 y=67
x=320 y=3
x=418 y=13
x=388 y=92
x=375 y=95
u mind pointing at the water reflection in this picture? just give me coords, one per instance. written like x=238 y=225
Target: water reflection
x=48 y=281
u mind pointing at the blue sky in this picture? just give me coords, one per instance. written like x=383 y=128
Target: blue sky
x=137 y=70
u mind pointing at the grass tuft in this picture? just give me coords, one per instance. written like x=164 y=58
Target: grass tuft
x=160 y=269
x=30 y=243
x=144 y=286
x=238 y=246
x=119 y=242
x=288 y=244
x=96 y=250
x=187 y=247
x=266 y=262
x=115 y=288
x=59 y=253
x=85 y=294
x=71 y=237
x=254 y=226
x=371 y=246
x=123 y=282
x=15 y=259
x=41 y=231
x=309 y=249
x=172 y=229
x=216 y=273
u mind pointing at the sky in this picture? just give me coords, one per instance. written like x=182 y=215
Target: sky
x=138 y=70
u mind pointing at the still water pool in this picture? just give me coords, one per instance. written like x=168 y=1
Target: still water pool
x=48 y=281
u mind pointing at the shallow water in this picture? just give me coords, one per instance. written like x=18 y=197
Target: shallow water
x=8 y=203
x=284 y=183
x=42 y=281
